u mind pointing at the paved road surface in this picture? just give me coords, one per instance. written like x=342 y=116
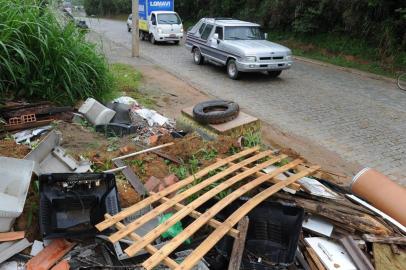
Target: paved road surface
x=361 y=119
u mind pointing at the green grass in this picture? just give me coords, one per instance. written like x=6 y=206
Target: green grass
x=43 y=59
x=343 y=51
x=127 y=82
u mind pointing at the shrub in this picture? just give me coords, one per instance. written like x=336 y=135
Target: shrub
x=43 y=59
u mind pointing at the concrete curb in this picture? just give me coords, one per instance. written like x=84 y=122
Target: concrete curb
x=349 y=70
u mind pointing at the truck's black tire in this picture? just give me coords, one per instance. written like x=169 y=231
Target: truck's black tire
x=215 y=111
x=198 y=58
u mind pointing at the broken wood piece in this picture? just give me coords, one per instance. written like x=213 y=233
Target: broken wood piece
x=239 y=245
x=357 y=256
x=401 y=240
x=150 y=248
x=11 y=236
x=50 y=255
x=115 y=169
x=219 y=233
x=169 y=190
x=144 y=151
x=315 y=259
x=385 y=259
x=195 y=214
x=62 y=265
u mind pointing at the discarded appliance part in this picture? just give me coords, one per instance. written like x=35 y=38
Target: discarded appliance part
x=122 y=115
x=134 y=180
x=11 y=236
x=116 y=129
x=215 y=111
x=71 y=204
x=273 y=233
x=318 y=225
x=37 y=246
x=15 y=181
x=221 y=230
x=126 y=100
x=49 y=157
x=152 y=117
x=357 y=256
x=379 y=212
x=9 y=249
x=381 y=192
x=238 y=246
x=96 y=113
x=401 y=240
x=50 y=255
x=144 y=151
x=332 y=255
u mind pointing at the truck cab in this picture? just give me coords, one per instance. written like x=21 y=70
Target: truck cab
x=158 y=22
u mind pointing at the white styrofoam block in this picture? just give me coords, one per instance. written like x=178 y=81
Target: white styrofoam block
x=15 y=178
x=36 y=248
x=96 y=113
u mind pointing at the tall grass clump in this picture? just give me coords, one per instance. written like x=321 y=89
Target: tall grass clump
x=44 y=59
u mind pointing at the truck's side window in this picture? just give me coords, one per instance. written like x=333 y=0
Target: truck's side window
x=207 y=31
x=219 y=31
x=153 y=19
x=202 y=28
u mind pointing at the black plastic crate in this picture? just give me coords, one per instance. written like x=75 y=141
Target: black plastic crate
x=71 y=204
x=273 y=235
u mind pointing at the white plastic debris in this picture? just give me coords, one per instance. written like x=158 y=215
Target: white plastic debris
x=37 y=246
x=126 y=100
x=96 y=113
x=152 y=117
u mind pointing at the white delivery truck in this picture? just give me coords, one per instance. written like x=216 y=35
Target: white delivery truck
x=158 y=21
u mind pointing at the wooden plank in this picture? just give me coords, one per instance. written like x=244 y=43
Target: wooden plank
x=401 y=240
x=239 y=245
x=155 y=197
x=11 y=236
x=182 y=196
x=219 y=233
x=144 y=151
x=315 y=259
x=215 y=209
x=155 y=233
x=195 y=214
x=150 y=248
x=385 y=259
x=294 y=186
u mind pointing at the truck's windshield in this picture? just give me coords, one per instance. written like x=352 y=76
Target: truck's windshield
x=243 y=33
x=169 y=18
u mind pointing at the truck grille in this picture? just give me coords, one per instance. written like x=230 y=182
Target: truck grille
x=271 y=58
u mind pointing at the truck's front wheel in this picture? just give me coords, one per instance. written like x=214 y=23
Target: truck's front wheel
x=152 y=39
x=232 y=69
x=198 y=57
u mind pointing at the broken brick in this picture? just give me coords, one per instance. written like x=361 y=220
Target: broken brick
x=152 y=184
x=153 y=140
x=170 y=180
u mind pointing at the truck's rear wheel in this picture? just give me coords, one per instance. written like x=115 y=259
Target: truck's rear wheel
x=232 y=69
x=198 y=57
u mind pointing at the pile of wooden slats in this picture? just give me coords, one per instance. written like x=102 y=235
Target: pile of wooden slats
x=242 y=172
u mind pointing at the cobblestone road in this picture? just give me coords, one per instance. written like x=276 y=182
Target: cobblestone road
x=361 y=119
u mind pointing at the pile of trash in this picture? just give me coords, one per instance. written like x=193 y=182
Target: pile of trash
x=304 y=222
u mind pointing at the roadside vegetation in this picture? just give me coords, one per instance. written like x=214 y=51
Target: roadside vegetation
x=42 y=58
x=366 y=34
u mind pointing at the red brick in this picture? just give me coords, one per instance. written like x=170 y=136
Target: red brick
x=152 y=185
x=170 y=180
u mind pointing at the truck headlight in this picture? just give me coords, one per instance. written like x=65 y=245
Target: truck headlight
x=159 y=30
x=250 y=59
x=288 y=57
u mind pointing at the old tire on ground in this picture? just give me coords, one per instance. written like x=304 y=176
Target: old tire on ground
x=215 y=111
x=274 y=73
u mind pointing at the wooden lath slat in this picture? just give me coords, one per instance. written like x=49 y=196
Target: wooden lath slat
x=150 y=248
x=210 y=213
x=184 y=195
x=195 y=214
x=181 y=184
x=155 y=233
x=219 y=233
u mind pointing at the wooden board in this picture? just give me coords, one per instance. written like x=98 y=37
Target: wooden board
x=11 y=236
x=239 y=174
x=238 y=246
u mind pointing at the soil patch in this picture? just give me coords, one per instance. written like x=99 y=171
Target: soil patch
x=8 y=148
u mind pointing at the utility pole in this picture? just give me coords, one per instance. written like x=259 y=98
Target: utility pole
x=135 y=30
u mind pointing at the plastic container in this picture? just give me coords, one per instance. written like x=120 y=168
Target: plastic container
x=96 y=113
x=381 y=192
x=15 y=178
x=72 y=204
x=273 y=235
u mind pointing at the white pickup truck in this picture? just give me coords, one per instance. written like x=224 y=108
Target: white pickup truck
x=158 y=21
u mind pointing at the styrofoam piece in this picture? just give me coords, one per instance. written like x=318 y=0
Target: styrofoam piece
x=14 y=248
x=332 y=255
x=96 y=113
x=15 y=178
x=318 y=225
x=37 y=246
x=49 y=157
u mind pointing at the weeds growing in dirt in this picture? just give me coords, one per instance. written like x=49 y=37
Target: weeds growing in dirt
x=252 y=139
